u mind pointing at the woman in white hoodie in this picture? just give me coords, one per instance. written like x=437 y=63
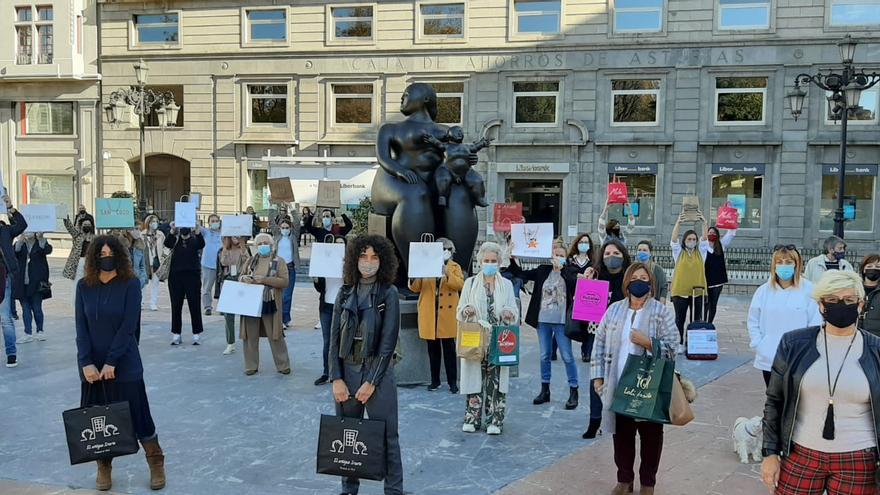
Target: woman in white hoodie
x=780 y=305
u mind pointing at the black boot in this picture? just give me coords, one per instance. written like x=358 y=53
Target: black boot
x=572 y=398
x=544 y=396
x=593 y=429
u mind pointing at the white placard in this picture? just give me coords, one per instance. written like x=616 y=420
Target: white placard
x=236 y=225
x=532 y=240
x=184 y=215
x=572 y=230
x=425 y=260
x=237 y=298
x=702 y=342
x=326 y=260
x=40 y=218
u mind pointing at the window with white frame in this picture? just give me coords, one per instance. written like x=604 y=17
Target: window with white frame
x=634 y=101
x=352 y=104
x=352 y=23
x=266 y=25
x=450 y=99
x=157 y=29
x=854 y=13
x=536 y=102
x=740 y=100
x=30 y=23
x=865 y=114
x=267 y=104
x=48 y=118
x=638 y=16
x=442 y=20
x=537 y=16
x=743 y=14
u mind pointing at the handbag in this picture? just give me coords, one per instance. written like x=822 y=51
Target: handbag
x=617 y=192
x=504 y=345
x=45 y=290
x=728 y=217
x=470 y=341
x=99 y=432
x=680 y=412
x=351 y=447
x=269 y=306
x=644 y=391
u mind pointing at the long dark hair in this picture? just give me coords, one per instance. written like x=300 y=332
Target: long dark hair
x=573 y=250
x=717 y=248
x=383 y=248
x=93 y=256
x=686 y=235
x=601 y=270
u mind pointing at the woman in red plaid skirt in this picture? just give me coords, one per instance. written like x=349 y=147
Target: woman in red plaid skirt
x=820 y=426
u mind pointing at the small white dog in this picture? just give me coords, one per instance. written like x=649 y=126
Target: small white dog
x=748 y=438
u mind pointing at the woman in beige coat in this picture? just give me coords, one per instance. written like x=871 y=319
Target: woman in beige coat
x=266 y=269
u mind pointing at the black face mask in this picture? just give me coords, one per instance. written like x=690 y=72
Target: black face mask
x=87 y=229
x=639 y=288
x=872 y=274
x=185 y=231
x=841 y=315
x=107 y=264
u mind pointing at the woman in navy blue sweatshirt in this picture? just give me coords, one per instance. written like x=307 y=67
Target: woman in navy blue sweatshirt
x=108 y=307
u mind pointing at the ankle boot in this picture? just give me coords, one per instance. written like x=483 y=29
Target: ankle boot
x=593 y=429
x=622 y=489
x=544 y=396
x=104 y=480
x=156 y=461
x=572 y=398
x=646 y=490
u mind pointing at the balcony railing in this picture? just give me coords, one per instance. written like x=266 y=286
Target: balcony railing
x=23 y=59
x=44 y=58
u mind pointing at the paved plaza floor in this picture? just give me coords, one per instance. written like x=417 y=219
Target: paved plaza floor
x=225 y=433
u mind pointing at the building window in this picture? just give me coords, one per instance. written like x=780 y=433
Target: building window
x=535 y=102
x=638 y=16
x=740 y=100
x=24 y=14
x=152 y=119
x=855 y=12
x=743 y=187
x=48 y=118
x=26 y=27
x=858 y=200
x=642 y=189
x=865 y=114
x=46 y=44
x=450 y=97
x=537 y=16
x=157 y=29
x=352 y=23
x=25 y=49
x=352 y=104
x=259 y=191
x=266 y=25
x=743 y=14
x=442 y=20
x=634 y=101
x=268 y=104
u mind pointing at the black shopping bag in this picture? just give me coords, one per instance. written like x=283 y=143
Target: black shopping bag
x=351 y=447
x=99 y=432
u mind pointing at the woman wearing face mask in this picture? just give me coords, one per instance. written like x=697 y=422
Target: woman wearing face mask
x=488 y=297
x=321 y=227
x=270 y=271
x=644 y=255
x=137 y=253
x=108 y=308
x=610 y=229
x=628 y=328
x=716 y=267
x=155 y=243
x=232 y=260
x=819 y=416
x=184 y=280
x=285 y=233
x=782 y=304
x=548 y=310
x=580 y=259
x=328 y=289
x=213 y=244
x=30 y=279
x=690 y=273
x=366 y=322
x=870 y=268
x=438 y=298
x=82 y=232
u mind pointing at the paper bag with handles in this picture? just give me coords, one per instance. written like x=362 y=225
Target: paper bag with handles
x=728 y=217
x=472 y=341
x=377 y=225
x=690 y=209
x=329 y=193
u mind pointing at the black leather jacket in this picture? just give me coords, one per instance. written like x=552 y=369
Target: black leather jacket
x=382 y=319
x=870 y=319
x=796 y=353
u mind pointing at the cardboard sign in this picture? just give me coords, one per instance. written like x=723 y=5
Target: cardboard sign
x=532 y=240
x=690 y=209
x=237 y=298
x=236 y=225
x=590 y=300
x=326 y=260
x=184 y=215
x=329 y=193
x=506 y=214
x=40 y=218
x=425 y=260
x=114 y=213
x=281 y=190
x=377 y=225
x=702 y=342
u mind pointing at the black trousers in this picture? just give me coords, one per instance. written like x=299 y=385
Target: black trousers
x=651 y=440
x=712 y=303
x=682 y=305
x=185 y=285
x=447 y=348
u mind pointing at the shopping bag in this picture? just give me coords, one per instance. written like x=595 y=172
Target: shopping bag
x=99 y=432
x=470 y=341
x=351 y=447
x=680 y=412
x=617 y=193
x=644 y=391
x=425 y=259
x=237 y=298
x=590 y=300
x=377 y=225
x=690 y=208
x=327 y=260
x=506 y=214
x=728 y=217
x=504 y=345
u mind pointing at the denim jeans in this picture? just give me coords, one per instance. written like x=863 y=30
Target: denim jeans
x=6 y=319
x=32 y=309
x=547 y=332
x=326 y=314
x=287 y=299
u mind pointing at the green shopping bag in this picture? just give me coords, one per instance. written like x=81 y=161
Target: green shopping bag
x=504 y=346
x=644 y=391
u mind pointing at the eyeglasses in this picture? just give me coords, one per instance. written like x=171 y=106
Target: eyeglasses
x=838 y=300
x=785 y=247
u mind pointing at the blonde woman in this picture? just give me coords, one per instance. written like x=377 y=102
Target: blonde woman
x=233 y=259
x=155 y=243
x=780 y=305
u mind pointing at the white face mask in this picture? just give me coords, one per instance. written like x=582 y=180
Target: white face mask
x=447 y=255
x=690 y=244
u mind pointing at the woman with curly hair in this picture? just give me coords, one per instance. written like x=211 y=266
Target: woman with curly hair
x=363 y=336
x=108 y=308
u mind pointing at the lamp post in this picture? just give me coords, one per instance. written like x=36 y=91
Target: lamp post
x=845 y=88
x=143 y=102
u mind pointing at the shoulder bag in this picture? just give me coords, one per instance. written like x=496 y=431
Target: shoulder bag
x=165 y=267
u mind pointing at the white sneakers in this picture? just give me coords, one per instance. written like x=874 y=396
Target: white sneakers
x=154 y=308
x=468 y=428
x=196 y=339
x=175 y=339
x=230 y=348
x=26 y=339
x=41 y=336
x=493 y=430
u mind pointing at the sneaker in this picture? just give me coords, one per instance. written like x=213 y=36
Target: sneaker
x=196 y=339
x=175 y=340
x=11 y=361
x=468 y=428
x=285 y=372
x=208 y=312
x=41 y=336
x=432 y=387
x=453 y=389
x=323 y=379
x=25 y=339
x=285 y=325
x=250 y=372
x=154 y=308
x=230 y=348
x=318 y=326
x=493 y=430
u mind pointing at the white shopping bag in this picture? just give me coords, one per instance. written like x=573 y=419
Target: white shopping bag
x=326 y=260
x=425 y=260
x=237 y=298
x=184 y=215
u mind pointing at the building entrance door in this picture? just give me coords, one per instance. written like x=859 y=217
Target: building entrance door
x=540 y=199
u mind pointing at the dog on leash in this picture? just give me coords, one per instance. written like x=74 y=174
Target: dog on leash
x=748 y=437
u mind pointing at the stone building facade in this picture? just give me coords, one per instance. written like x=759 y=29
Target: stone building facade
x=673 y=97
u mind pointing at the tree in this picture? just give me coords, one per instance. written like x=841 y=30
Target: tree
x=361 y=216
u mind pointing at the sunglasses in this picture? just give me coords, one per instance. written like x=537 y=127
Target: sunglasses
x=785 y=247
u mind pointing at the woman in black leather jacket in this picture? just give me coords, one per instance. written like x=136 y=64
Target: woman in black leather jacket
x=363 y=337
x=819 y=417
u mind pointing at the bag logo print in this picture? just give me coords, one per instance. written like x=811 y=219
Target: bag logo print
x=99 y=425
x=644 y=381
x=349 y=439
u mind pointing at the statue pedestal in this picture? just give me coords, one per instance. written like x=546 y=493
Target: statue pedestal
x=414 y=368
